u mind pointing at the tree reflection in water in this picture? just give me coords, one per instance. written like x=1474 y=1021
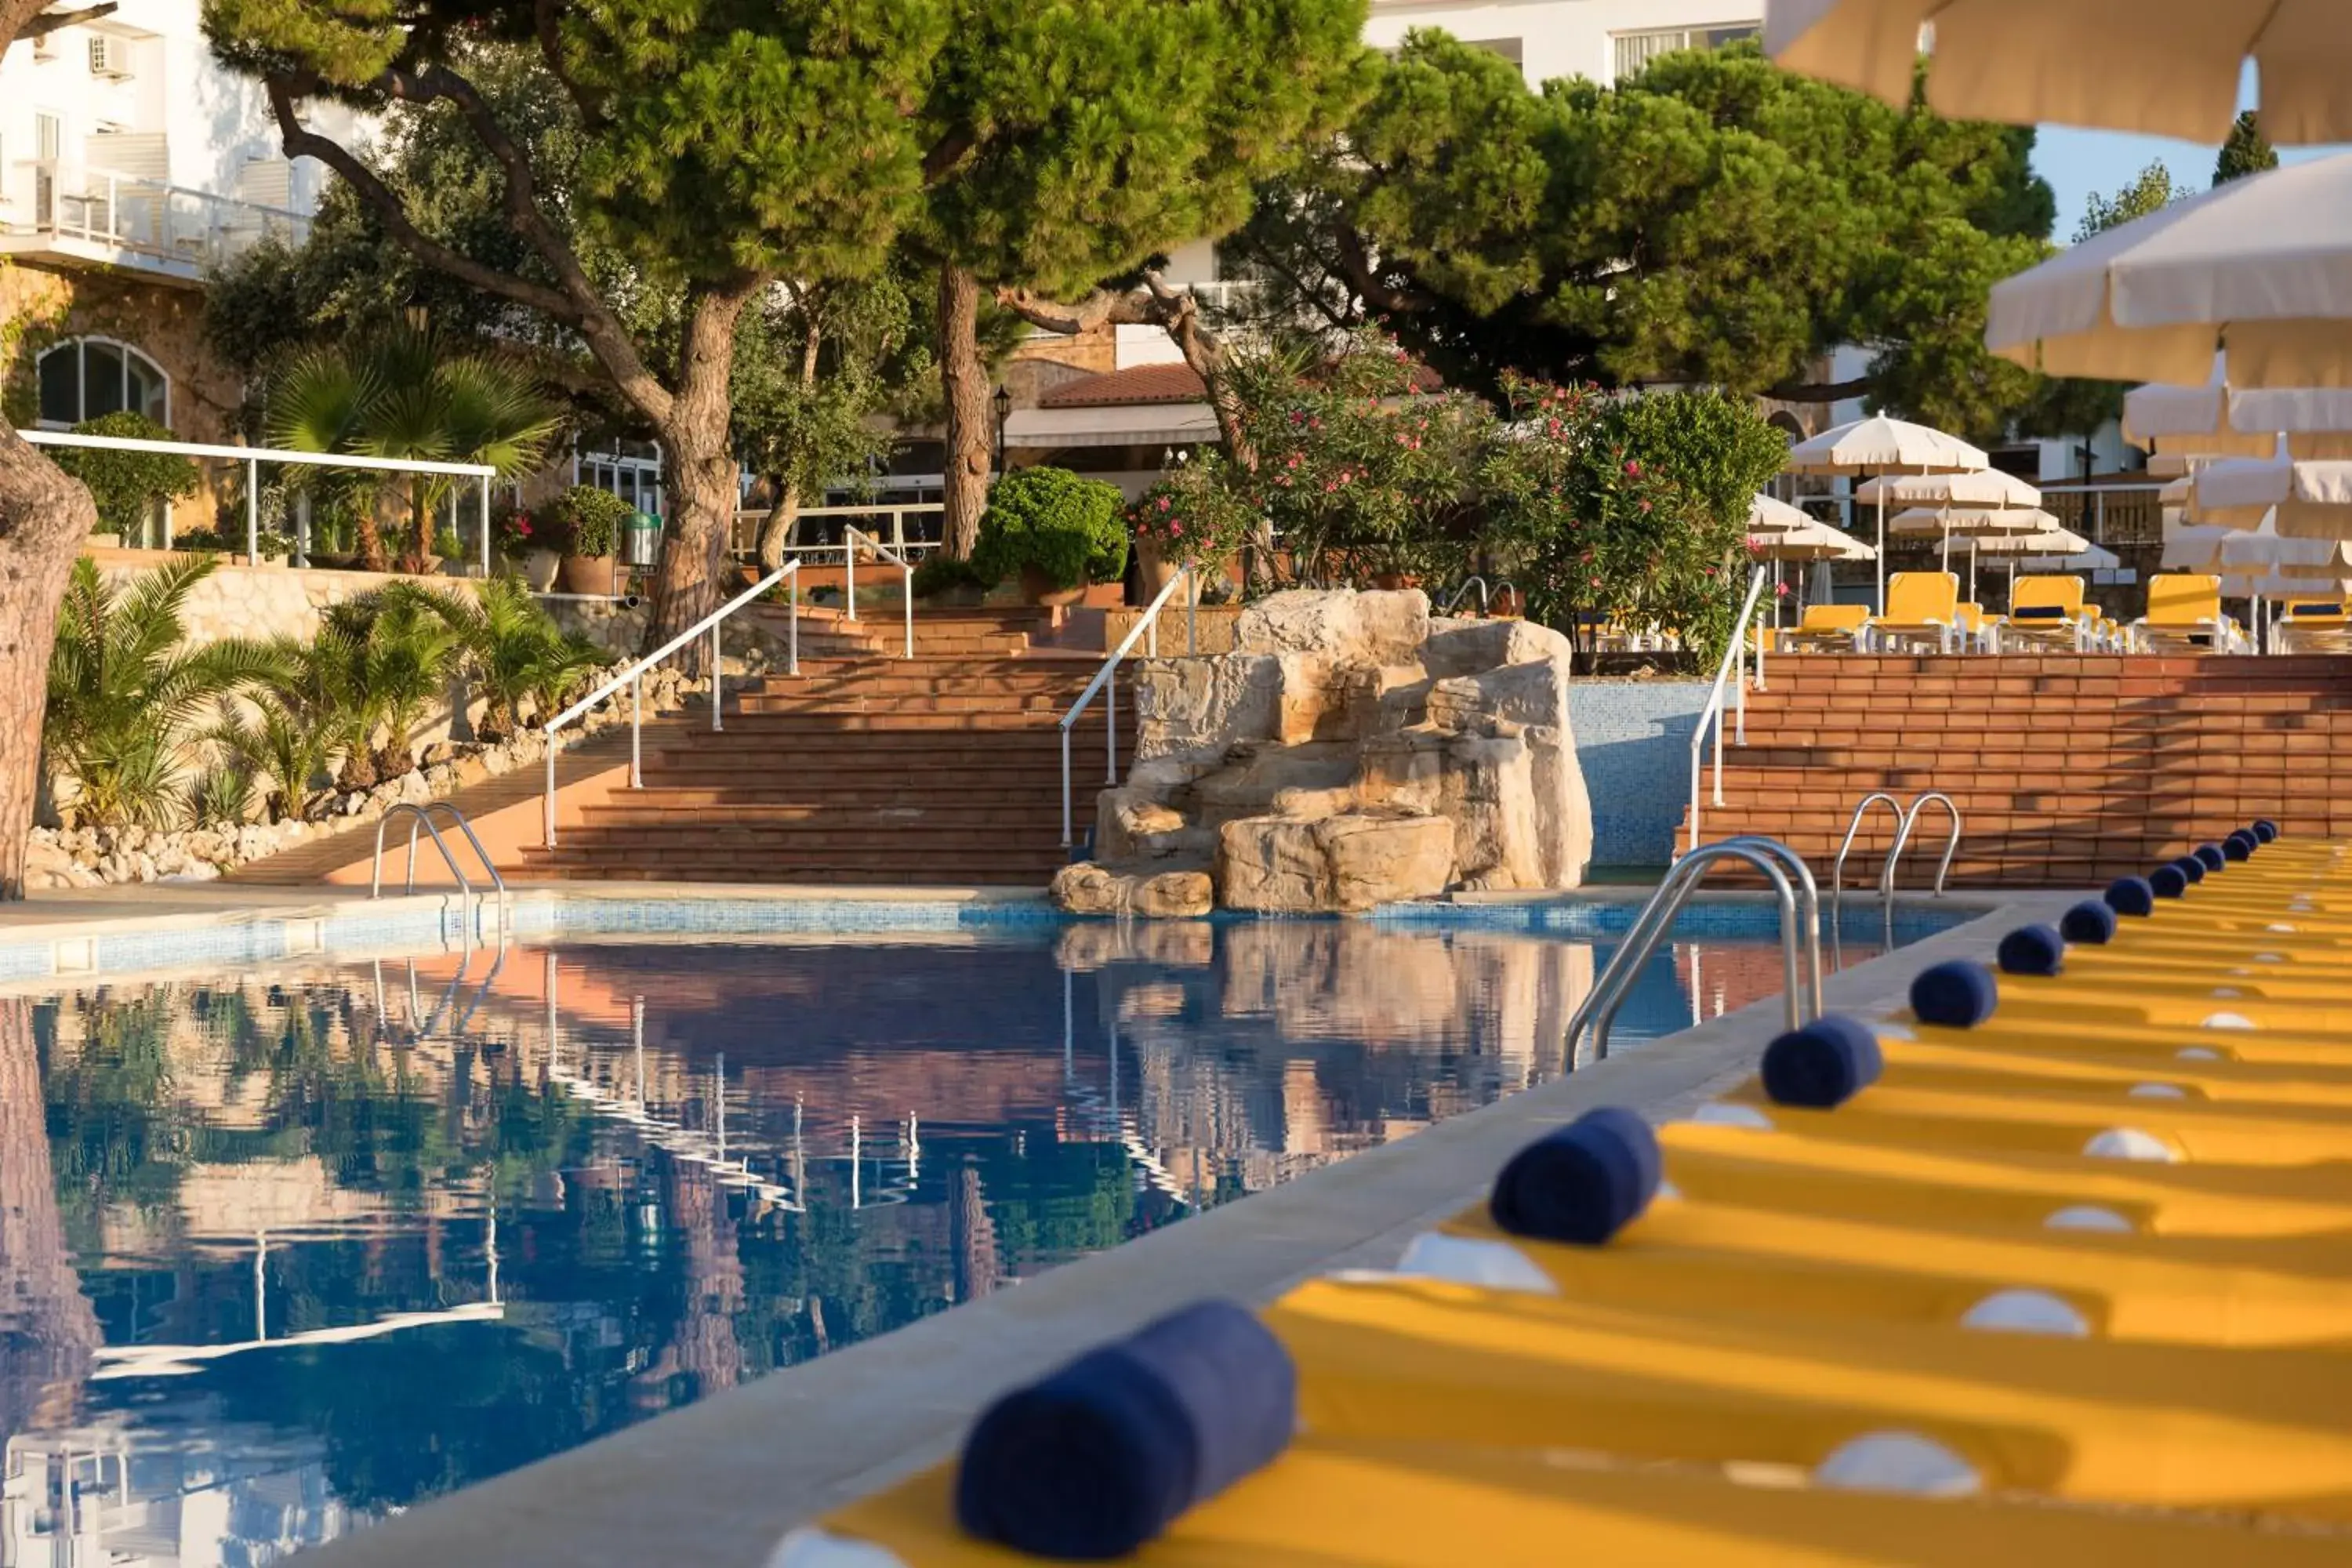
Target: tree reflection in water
x=287 y=1254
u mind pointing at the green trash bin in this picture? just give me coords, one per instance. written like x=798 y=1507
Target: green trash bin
x=641 y=540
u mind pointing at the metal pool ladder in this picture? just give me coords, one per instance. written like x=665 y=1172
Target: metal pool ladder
x=1905 y=821
x=1800 y=928
x=422 y=817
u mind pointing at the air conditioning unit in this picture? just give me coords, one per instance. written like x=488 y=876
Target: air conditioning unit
x=109 y=56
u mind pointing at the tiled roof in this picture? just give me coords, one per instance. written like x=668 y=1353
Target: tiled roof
x=1137 y=383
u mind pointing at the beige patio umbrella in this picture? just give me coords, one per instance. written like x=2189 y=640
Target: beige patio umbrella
x=2168 y=68
x=1769 y=514
x=1882 y=446
x=1976 y=525
x=2263 y=550
x=2216 y=420
x=1983 y=490
x=2261 y=265
x=2052 y=539
x=2304 y=500
x=2089 y=558
x=2194 y=547
x=1812 y=541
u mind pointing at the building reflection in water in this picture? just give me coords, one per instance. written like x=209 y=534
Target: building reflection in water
x=282 y=1254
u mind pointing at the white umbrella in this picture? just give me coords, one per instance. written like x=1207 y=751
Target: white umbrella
x=1978 y=487
x=1769 y=514
x=1877 y=446
x=2168 y=68
x=2051 y=539
x=2194 y=547
x=2263 y=550
x=2307 y=500
x=2263 y=264
x=1980 y=527
x=2089 y=558
x=1812 y=541
x=2217 y=421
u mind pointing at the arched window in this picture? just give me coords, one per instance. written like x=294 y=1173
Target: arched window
x=83 y=378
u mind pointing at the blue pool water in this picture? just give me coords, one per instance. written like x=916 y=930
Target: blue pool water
x=281 y=1253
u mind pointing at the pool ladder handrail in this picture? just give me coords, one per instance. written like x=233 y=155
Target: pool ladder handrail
x=1906 y=821
x=1801 y=912
x=421 y=815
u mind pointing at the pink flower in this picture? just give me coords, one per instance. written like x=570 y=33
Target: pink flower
x=1163 y=503
x=1175 y=531
x=1780 y=590
x=1633 y=470
x=1596 y=582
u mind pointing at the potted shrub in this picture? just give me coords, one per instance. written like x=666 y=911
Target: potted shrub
x=523 y=540
x=587 y=521
x=941 y=579
x=1185 y=519
x=1054 y=531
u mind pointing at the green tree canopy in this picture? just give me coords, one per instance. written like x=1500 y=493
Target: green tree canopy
x=2150 y=190
x=1710 y=220
x=2246 y=151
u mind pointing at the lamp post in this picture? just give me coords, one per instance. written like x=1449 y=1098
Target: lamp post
x=1004 y=402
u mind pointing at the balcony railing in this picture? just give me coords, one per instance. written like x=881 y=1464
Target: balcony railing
x=145 y=221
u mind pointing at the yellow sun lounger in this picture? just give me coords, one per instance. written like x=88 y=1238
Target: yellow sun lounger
x=2184 y=615
x=2307 y=1206
x=2045 y=612
x=1691 y=1256
x=1923 y=614
x=2089 y=1420
x=1825 y=628
x=1332 y=1502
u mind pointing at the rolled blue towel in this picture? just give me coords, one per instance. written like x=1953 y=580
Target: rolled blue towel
x=1822 y=1065
x=2131 y=896
x=2191 y=867
x=2168 y=881
x=2090 y=922
x=1103 y=1454
x=2033 y=950
x=1959 y=993
x=1582 y=1183
x=2265 y=830
x=2241 y=846
x=2212 y=858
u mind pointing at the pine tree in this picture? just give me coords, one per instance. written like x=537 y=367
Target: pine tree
x=2246 y=151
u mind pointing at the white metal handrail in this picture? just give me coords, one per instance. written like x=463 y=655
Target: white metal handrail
x=422 y=817
x=1735 y=660
x=1147 y=625
x=850 y=536
x=1906 y=820
x=633 y=678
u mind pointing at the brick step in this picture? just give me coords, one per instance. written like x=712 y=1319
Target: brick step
x=688 y=789
x=1051 y=705
x=660 y=812
x=781 y=741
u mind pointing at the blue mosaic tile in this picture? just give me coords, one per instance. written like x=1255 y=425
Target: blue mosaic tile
x=251 y=942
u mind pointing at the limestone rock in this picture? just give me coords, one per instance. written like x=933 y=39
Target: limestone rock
x=1348 y=864
x=1193 y=704
x=1345 y=627
x=1088 y=888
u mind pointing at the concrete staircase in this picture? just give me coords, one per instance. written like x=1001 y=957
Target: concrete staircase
x=2069 y=770
x=869 y=768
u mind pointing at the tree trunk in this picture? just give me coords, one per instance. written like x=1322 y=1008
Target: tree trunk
x=370 y=534
x=46 y=1353
x=694 y=579
x=776 y=528
x=420 y=529
x=964 y=377
x=44 y=518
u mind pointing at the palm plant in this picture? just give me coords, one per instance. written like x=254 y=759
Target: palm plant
x=125 y=700
x=283 y=738
x=515 y=653
x=399 y=652
x=406 y=393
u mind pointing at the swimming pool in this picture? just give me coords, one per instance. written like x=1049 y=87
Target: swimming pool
x=291 y=1250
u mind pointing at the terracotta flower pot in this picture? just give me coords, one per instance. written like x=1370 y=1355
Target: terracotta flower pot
x=1153 y=571
x=1038 y=589
x=1391 y=582
x=588 y=573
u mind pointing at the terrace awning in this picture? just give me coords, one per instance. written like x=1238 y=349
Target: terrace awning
x=1113 y=424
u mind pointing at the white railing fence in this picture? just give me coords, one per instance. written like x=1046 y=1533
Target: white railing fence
x=1145 y=630
x=1732 y=674
x=633 y=678
x=187 y=228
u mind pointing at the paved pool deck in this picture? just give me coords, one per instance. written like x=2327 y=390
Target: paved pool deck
x=719 y=1483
